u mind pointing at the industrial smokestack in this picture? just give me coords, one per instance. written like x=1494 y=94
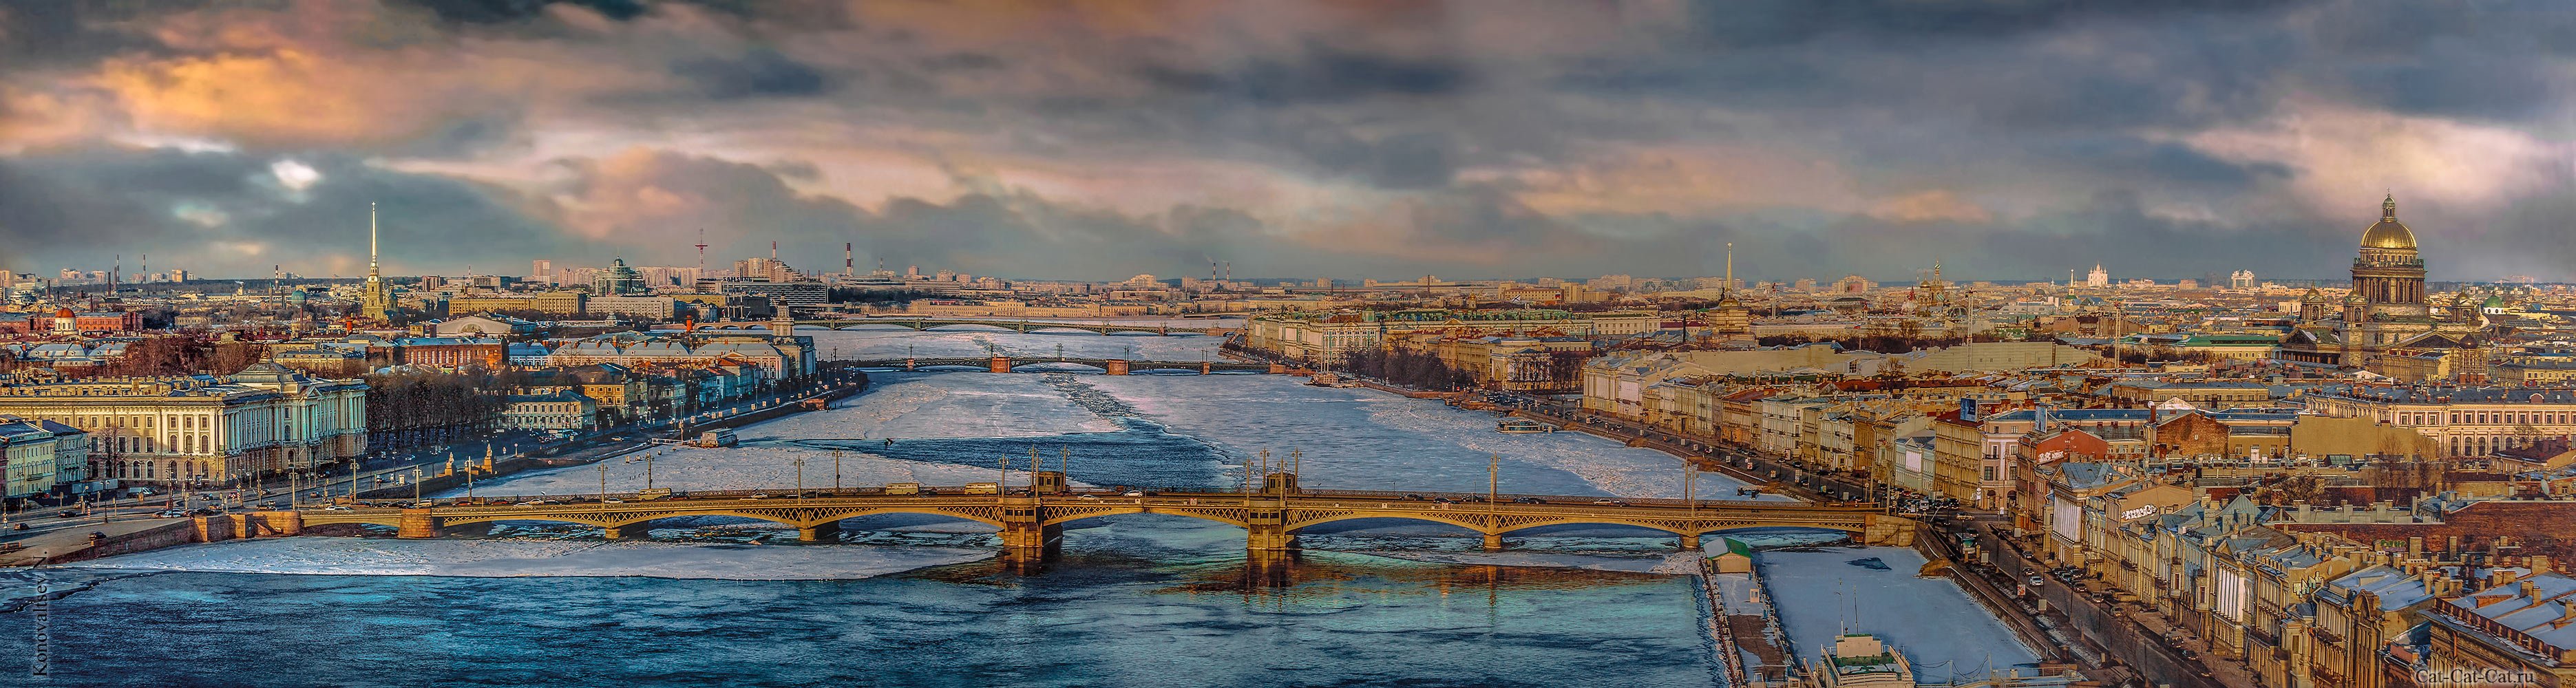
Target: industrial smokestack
x=848 y=266
x=773 y=250
x=1229 y=271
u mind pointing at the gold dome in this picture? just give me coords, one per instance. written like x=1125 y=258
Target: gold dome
x=2388 y=233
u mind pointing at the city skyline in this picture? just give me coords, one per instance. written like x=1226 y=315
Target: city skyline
x=1293 y=141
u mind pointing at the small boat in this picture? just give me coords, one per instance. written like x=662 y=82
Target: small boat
x=1523 y=426
x=1860 y=660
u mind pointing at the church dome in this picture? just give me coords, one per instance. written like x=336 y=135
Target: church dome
x=2388 y=233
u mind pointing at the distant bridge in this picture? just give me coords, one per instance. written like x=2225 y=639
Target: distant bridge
x=1032 y=521
x=1021 y=326
x=1113 y=366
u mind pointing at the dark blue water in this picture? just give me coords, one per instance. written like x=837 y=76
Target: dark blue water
x=1151 y=603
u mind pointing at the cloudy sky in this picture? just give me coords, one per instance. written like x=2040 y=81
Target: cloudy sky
x=1102 y=138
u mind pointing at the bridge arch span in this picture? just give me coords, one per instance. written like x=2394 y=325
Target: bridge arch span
x=875 y=327
x=967 y=327
x=1232 y=515
x=1506 y=523
x=786 y=514
x=1056 y=367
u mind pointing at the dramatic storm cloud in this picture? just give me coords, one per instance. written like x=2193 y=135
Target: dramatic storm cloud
x=2010 y=139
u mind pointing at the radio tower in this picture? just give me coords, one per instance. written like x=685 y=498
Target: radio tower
x=702 y=254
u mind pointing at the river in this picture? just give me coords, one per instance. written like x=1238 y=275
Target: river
x=1136 y=600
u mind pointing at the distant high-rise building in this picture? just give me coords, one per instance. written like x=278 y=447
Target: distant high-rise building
x=541 y=271
x=765 y=269
x=617 y=280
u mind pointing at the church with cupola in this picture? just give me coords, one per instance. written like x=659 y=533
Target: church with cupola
x=2386 y=313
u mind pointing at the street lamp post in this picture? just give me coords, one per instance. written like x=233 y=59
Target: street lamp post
x=415 y=486
x=836 y=471
x=800 y=476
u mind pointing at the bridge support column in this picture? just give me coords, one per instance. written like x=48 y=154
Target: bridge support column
x=821 y=533
x=1116 y=366
x=1690 y=541
x=1025 y=532
x=1206 y=367
x=274 y=523
x=1000 y=364
x=1493 y=542
x=627 y=531
x=417 y=524
x=1888 y=531
x=907 y=365
x=1266 y=525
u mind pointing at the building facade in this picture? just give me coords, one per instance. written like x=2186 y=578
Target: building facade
x=264 y=420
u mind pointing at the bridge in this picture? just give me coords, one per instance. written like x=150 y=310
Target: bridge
x=1031 y=521
x=1113 y=366
x=1021 y=326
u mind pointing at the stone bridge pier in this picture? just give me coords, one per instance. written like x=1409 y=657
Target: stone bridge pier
x=1116 y=366
x=1266 y=525
x=1889 y=531
x=417 y=524
x=1025 y=531
x=1000 y=364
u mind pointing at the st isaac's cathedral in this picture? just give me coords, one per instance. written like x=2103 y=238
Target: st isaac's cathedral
x=2385 y=313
